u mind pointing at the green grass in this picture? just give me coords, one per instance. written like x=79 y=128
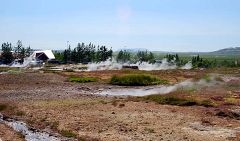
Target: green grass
x=10 y=69
x=173 y=100
x=82 y=79
x=136 y=80
x=68 y=134
x=207 y=78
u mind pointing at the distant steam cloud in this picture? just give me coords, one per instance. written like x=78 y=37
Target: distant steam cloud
x=114 y=65
x=187 y=66
x=106 y=65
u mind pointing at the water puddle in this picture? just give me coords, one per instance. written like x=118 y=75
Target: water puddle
x=30 y=134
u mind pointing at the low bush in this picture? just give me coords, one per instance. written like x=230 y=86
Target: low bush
x=173 y=100
x=82 y=79
x=206 y=103
x=20 y=113
x=3 y=107
x=68 y=134
x=136 y=80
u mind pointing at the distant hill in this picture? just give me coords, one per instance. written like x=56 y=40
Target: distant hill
x=234 y=51
x=227 y=51
x=133 y=49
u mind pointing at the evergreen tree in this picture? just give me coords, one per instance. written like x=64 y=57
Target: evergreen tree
x=145 y=56
x=22 y=54
x=177 y=58
x=123 y=56
x=28 y=51
x=86 y=53
x=67 y=55
x=18 y=49
x=7 y=55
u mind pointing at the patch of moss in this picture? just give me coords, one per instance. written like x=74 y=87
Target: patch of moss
x=82 y=79
x=206 y=103
x=136 y=80
x=231 y=100
x=68 y=134
x=173 y=100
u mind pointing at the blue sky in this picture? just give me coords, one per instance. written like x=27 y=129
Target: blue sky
x=164 y=25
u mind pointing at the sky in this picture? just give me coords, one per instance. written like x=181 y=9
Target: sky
x=156 y=25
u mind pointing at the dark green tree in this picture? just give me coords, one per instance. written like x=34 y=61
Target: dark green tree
x=22 y=54
x=145 y=56
x=67 y=55
x=123 y=56
x=7 y=55
x=86 y=53
x=18 y=49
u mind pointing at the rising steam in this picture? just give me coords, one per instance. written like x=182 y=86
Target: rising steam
x=160 y=89
x=114 y=65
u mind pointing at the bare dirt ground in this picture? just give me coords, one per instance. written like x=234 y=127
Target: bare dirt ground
x=48 y=101
x=7 y=134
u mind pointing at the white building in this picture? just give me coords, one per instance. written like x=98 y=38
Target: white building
x=43 y=55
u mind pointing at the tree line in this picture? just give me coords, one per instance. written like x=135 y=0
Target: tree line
x=141 y=56
x=84 y=54
x=124 y=56
x=10 y=52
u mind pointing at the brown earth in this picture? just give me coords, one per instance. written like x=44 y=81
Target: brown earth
x=48 y=100
x=7 y=134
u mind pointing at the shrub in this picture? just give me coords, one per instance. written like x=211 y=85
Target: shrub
x=20 y=113
x=3 y=107
x=173 y=100
x=136 y=80
x=206 y=103
x=68 y=133
x=82 y=79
